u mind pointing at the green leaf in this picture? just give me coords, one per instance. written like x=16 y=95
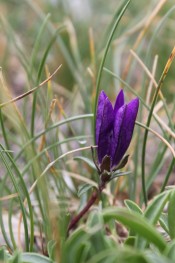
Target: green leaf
x=86 y=160
x=96 y=228
x=170 y=252
x=171 y=215
x=136 y=223
x=119 y=255
x=152 y=213
x=51 y=127
x=83 y=189
x=76 y=246
x=3 y=254
x=16 y=258
x=130 y=241
x=156 y=258
x=106 y=49
x=122 y=163
x=163 y=220
x=132 y=206
x=34 y=258
x=154 y=209
x=21 y=191
x=51 y=248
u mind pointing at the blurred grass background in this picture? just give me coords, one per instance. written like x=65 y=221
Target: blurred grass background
x=38 y=36
x=23 y=22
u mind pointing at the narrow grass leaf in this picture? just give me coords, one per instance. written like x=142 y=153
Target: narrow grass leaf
x=161 y=80
x=82 y=189
x=21 y=192
x=136 y=223
x=171 y=215
x=56 y=125
x=3 y=255
x=37 y=43
x=154 y=209
x=120 y=15
x=11 y=228
x=51 y=246
x=132 y=206
x=43 y=60
x=15 y=258
x=156 y=258
x=2 y=226
x=119 y=255
x=167 y=176
x=152 y=214
x=170 y=252
x=86 y=160
x=163 y=220
x=74 y=244
x=5 y=137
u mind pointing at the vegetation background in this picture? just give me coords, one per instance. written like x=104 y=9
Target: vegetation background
x=46 y=170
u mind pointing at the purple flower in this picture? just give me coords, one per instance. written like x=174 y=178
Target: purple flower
x=114 y=128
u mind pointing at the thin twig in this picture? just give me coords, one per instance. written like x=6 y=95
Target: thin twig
x=142 y=33
x=30 y=91
x=154 y=67
x=4 y=198
x=158 y=135
x=161 y=80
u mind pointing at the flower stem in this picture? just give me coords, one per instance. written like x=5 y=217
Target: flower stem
x=91 y=201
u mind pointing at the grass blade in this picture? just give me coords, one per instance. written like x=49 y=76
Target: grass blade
x=123 y=9
x=165 y=71
x=136 y=223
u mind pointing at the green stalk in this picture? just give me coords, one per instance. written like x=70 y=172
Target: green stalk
x=4 y=131
x=3 y=230
x=29 y=246
x=17 y=189
x=79 y=117
x=167 y=175
x=122 y=11
x=165 y=71
x=34 y=53
x=11 y=228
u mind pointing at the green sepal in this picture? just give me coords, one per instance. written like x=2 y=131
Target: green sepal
x=106 y=164
x=122 y=163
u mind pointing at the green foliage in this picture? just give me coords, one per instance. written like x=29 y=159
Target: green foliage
x=171 y=212
x=132 y=206
x=86 y=160
x=82 y=189
x=46 y=169
x=19 y=257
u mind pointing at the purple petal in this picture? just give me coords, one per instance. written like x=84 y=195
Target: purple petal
x=99 y=116
x=106 y=129
x=116 y=131
x=119 y=102
x=123 y=129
